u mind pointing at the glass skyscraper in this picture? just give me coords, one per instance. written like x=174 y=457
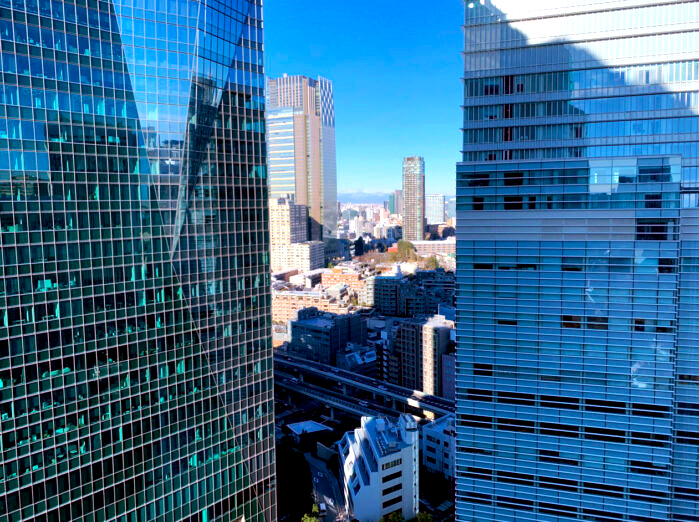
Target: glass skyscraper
x=301 y=144
x=435 y=209
x=578 y=262
x=135 y=357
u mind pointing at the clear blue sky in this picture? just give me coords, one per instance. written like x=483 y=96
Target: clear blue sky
x=396 y=68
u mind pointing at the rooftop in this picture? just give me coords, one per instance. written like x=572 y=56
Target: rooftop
x=318 y=322
x=450 y=239
x=444 y=424
x=309 y=426
x=385 y=435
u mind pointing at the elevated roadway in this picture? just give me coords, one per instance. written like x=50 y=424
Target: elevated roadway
x=352 y=392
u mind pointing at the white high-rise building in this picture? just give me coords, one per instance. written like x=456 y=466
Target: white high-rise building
x=380 y=468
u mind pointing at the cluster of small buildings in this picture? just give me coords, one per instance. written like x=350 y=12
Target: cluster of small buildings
x=403 y=339
x=333 y=290
x=388 y=327
x=288 y=300
x=371 y=221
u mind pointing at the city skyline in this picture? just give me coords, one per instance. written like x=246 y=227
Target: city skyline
x=474 y=299
x=373 y=131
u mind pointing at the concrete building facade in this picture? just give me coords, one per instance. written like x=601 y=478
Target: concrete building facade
x=288 y=238
x=419 y=345
x=397 y=296
x=344 y=275
x=288 y=222
x=318 y=335
x=438 y=446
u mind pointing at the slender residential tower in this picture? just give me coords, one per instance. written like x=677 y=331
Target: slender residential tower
x=301 y=139
x=414 y=198
x=135 y=350
x=578 y=259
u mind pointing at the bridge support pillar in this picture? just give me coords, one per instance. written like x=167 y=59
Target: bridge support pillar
x=332 y=413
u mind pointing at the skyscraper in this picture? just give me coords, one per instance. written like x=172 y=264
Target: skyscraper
x=414 y=198
x=399 y=200
x=434 y=209
x=301 y=145
x=135 y=356
x=395 y=202
x=577 y=296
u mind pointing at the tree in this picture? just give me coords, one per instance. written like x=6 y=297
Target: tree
x=309 y=518
x=359 y=246
x=432 y=263
x=406 y=251
x=424 y=517
x=396 y=516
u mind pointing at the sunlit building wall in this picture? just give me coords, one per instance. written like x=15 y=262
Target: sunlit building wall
x=577 y=253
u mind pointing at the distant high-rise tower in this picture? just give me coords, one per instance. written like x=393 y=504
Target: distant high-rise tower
x=434 y=209
x=414 y=198
x=398 y=201
x=578 y=259
x=301 y=148
x=391 y=204
x=135 y=348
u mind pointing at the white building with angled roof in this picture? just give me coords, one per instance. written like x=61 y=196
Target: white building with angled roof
x=380 y=468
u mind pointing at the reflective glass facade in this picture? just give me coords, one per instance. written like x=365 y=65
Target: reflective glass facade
x=135 y=358
x=578 y=262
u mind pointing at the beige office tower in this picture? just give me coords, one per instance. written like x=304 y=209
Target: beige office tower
x=301 y=148
x=414 y=198
x=288 y=231
x=288 y=222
